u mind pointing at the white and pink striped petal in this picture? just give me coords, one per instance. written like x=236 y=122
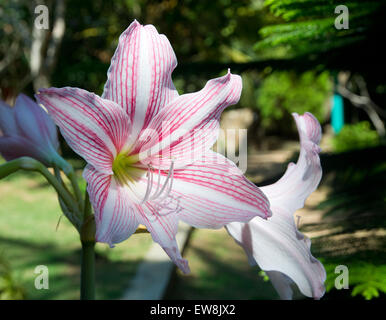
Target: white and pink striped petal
x=163 y=228
x=276 y=244
x=139 y=77
x=97 y=129
x=213 y=192
x=188 y=126
x=118 y=212
x=115 y=213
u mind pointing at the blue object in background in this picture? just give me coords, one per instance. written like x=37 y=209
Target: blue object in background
x=337 y=113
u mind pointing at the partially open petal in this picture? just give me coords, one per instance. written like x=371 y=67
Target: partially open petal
x=34 y=122
x=276 y=244
x=97 y=129
x=188 y=126
x=115 y=214
x=139 y=77
x=7 y=120
x=213 y=192
x=27 y=130
x=12 y=147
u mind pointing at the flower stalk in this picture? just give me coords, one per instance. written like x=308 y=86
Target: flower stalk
x=87 y=237
x=87 y=277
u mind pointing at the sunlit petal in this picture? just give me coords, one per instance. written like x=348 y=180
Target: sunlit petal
x=276 y=244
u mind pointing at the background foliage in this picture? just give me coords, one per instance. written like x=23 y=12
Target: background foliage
x=355 y=136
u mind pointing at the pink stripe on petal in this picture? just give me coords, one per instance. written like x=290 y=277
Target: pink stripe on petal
x=139 y=77
x=276 y=244
x=190 y=120
x=213 y=192
x=115 y=215
x=163 y=229
x=95 y=128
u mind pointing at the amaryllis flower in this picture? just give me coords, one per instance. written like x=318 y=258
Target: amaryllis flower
x=147 y=148
x=276 y=245
x=27 y=130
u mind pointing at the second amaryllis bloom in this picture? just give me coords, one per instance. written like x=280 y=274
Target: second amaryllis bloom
x=276 y=245
x=27 y=130
x=148 y=149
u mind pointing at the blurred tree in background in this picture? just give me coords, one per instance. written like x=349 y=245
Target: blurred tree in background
x=28 y=54
x=283 y=92
x=355 y=55
x=286 y=46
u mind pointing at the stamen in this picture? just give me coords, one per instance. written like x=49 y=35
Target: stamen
x=159 y=181
x=170 y=185
x=157 y=194
x=149 y=176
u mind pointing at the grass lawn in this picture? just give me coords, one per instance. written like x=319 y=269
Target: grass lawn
x=29 y=213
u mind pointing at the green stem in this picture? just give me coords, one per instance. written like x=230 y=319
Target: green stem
x=74 y=183
x=75 y=219
x=87 y=205
x=87 y=278
x=68 y=170
x=87 y=237
x=10 y=167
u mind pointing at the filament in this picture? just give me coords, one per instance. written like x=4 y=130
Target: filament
x=149 y=186
x=169 y=177
x=159 y=193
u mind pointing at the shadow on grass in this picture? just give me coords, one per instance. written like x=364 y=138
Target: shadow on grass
x=112 y=278
x=354 y=213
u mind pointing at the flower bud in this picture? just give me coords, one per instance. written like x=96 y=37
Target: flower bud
x=27 y=130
